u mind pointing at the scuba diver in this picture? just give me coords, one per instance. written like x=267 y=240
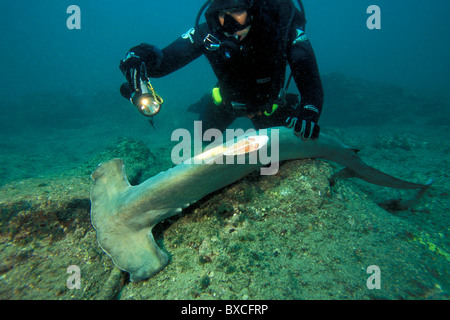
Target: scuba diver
x=248 y=44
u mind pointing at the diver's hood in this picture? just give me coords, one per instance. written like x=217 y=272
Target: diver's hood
x=216 y=6
x=219 y=5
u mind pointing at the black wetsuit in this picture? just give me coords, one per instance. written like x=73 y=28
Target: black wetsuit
x=257 y=75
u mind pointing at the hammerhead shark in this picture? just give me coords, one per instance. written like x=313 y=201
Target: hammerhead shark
x=124 y=215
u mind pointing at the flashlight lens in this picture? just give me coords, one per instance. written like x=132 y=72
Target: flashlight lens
x=149 y=106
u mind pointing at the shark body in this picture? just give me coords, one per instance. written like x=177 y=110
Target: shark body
x=124 y=215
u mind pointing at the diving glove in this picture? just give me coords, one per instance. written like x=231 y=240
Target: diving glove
x=304 y=122
x=131 y=64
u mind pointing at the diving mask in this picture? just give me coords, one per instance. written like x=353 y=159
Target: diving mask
x=234 y=21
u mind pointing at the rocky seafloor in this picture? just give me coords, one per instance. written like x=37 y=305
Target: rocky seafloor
x=287 y=236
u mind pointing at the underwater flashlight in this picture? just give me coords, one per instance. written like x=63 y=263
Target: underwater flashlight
x=147 y=101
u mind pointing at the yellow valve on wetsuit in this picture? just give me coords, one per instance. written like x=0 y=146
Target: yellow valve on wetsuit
x=217 y=98
x=274 y=108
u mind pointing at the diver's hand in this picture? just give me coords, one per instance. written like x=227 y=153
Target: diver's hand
x=304 y=123
x=130 y=65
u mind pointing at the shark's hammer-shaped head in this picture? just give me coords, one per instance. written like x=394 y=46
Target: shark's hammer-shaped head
x=122 y=233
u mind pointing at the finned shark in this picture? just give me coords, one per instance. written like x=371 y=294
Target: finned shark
x=124 y=215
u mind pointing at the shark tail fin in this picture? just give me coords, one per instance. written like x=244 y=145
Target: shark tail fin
x=405 y=204
x=130 y=245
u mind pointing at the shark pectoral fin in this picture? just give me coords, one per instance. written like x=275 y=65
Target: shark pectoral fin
x=344 y=173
